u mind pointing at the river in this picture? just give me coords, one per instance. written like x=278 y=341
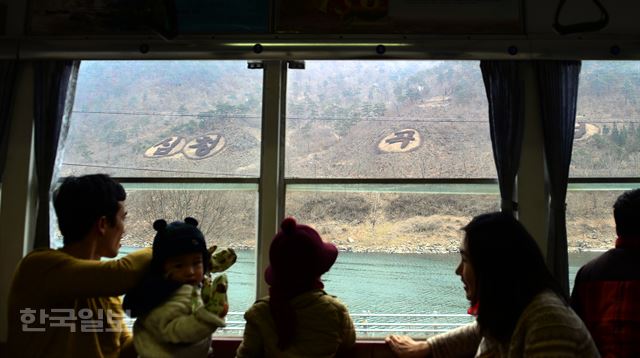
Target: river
x=383 y=283
x=406 y=285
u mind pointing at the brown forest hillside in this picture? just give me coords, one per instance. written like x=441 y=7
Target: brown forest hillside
x=345 y=119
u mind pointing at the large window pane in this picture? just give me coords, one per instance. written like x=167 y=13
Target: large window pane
x=399 y=250
x=607 y=134
x=387 y=119
x=165 y=119
x=606 y=145
x=170 y=119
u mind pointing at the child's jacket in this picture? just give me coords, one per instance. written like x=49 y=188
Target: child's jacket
x=324 y=328
x=180 y=327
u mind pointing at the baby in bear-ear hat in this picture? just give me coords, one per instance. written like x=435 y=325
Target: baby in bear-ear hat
x=298 y=318
x=172 y=320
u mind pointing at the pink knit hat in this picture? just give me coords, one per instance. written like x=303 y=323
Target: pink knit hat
x=298 y=255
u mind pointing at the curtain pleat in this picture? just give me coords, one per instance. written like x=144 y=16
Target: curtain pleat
x=54 y=89
x=558 y=87
x=505 y=94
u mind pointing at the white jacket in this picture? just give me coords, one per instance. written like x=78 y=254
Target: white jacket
x=175 y=328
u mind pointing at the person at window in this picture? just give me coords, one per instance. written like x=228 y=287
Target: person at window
x=519 y=307
x=65 y=302
x=172 y=318
x=606 y=293
x=298 y=318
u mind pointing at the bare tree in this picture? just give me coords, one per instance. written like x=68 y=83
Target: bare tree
x=225 y=218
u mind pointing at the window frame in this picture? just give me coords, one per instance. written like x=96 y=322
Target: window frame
x=272 y=183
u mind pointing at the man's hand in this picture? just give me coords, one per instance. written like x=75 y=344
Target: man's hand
x=406 y=347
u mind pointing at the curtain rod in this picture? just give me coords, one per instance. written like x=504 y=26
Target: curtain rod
x=323 y=48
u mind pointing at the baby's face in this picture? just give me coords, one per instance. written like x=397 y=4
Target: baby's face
x=187 y=268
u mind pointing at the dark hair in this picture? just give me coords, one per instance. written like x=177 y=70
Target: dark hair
x=626 y=212
x=175 y=239
x=80 y=201
x=509 y=270
x=171 y=240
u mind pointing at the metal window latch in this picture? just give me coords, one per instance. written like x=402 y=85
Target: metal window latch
x=255 y=64
x=295 y=64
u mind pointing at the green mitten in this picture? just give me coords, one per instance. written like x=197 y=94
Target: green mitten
x=214 y=296
x=222 y=259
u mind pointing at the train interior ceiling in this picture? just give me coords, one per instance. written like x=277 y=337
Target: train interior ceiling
x=367 y=119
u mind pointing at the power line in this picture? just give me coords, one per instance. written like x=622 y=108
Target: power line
x=394 y=119
x=327 y=118
x=164 y=114
x=367 y=119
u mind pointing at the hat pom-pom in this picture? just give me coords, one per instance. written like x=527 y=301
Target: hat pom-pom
x=191 y=221
x=288 y=224
x=160 y=224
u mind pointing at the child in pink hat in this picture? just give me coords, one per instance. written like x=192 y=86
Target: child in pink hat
x=298 y=318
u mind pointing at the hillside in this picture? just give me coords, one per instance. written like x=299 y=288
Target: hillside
x=345 y=119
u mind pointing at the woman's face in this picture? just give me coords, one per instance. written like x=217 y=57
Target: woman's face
x=467 y=274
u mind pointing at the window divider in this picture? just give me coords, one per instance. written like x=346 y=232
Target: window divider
x=271 y=187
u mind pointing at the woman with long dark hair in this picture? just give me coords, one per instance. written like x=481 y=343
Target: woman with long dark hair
x=519 y=307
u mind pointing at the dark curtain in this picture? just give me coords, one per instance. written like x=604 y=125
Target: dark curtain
x=8 y=71
x=558 y=86
x=505 y=94
x=54 y=84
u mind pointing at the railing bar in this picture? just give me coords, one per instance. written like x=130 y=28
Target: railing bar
x=399 y=325
x=391 y=181
x=388 y=314
x=402 y=330
x=357 y=330
x=408 y=315
x=410 y=324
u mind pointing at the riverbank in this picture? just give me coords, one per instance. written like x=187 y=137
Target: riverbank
x=419 y=246
x=434 y=234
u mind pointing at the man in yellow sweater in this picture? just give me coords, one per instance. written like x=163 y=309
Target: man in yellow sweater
x=65 y=303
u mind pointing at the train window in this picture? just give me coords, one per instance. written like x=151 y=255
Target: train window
x=383 y=119
x=607 y=134
x=184 y=139
x=388 y=160
x=165 y=119
x=606 y=154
